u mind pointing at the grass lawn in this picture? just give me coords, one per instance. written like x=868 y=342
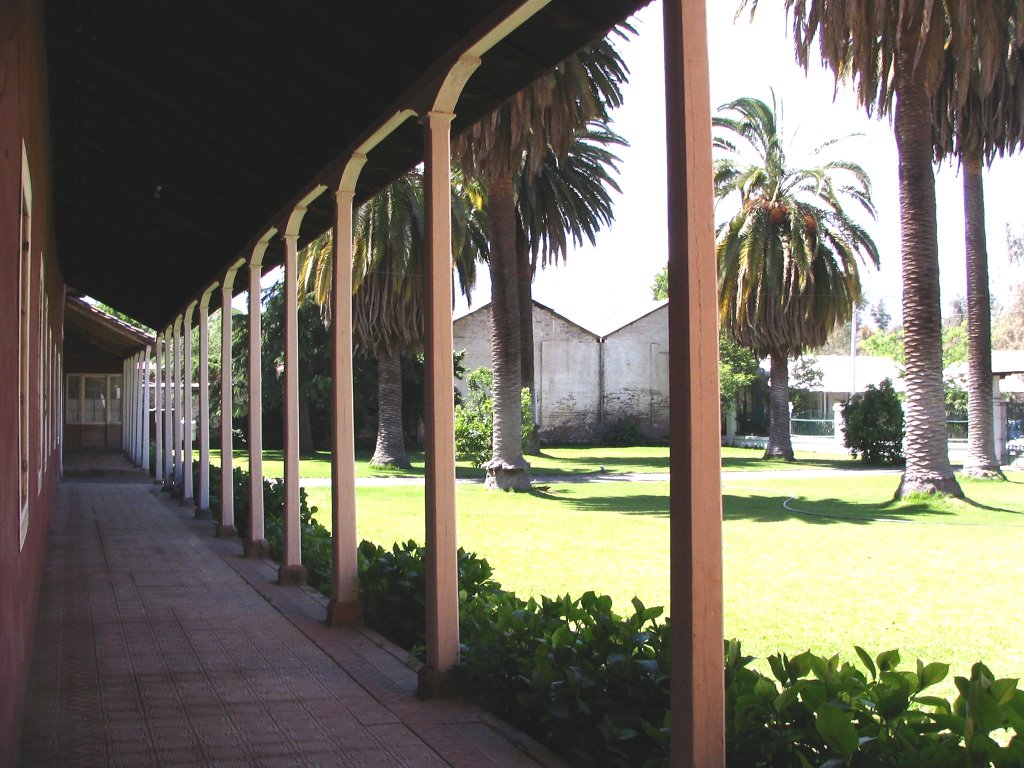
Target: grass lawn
x=554 y=462
x=944 y=585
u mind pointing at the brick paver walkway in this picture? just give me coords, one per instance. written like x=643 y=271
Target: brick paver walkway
x=158 y=645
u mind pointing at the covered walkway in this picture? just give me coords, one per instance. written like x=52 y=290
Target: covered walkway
x=158 y=645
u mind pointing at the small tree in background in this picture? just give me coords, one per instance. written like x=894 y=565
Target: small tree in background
x=474 y=418
x=874 y=425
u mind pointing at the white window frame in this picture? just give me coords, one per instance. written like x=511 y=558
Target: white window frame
x=24 y=345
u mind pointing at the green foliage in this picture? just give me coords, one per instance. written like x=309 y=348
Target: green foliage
x=885 y=344
x=874 y=425
x=804 y=376
x=814 y=711
x=737 y=369
x=474 y=418
x=392 y=588
x=594 y=686
x=659 y=288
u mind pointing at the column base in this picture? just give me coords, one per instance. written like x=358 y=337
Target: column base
x=340 y=614
x=225 y=531
x=432 y=684
x=256 y=549
x=201 y=514
x=292 y=575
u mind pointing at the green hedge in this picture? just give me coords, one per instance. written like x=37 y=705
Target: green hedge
x=594 y=685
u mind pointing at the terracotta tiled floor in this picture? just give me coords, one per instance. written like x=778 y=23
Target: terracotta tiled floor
x=158 y=645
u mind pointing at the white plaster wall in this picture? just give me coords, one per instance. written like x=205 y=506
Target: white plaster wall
x=472 y=333
x=636 y=387
x=566 y=370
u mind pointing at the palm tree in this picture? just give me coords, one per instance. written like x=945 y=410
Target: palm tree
x=387 y=302
x=545 y=116
x=975 y=128
x=568 y=196
x=893 y=51
x=787 y=259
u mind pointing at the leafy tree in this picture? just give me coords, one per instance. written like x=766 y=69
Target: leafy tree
x=568 y=196
x=902 y=56
x=544 y=117
x=806 y=376
x=737 y=370
x=885 y=344
x=474 y=418
x=874 y=425
x=659 y=288
x=788 y=257
x=314 y=371
x=881 y=315
x=387 y=303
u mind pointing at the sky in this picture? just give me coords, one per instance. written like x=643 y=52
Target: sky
x=603 y=286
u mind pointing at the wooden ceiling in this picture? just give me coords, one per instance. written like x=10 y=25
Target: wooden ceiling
x=84 y=322
x=182 y=131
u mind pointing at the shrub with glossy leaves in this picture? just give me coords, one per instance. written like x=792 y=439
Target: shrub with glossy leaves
x=874 y=425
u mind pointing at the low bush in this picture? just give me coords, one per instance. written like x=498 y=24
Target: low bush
x=874 y=425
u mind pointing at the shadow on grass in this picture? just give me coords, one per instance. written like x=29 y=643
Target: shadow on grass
x=757 y=464
x=762 y=509
x=829 y=511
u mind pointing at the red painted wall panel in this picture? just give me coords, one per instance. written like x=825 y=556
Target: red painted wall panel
x=23 y=119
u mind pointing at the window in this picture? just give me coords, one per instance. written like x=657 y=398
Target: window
x=115 y=399
x=24 y=339
x=94 y=400
x=73 y=409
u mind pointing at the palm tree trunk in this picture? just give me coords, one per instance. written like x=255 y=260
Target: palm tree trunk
x=981 y=457
x=524 y=278
x=925 y=446
x=390 y=450
x=780 y=444
x=507 y=468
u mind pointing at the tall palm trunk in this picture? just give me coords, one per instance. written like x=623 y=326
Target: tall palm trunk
x=928 y=469
x=507 y=468
x=780 y=444
x=981 y=457
x=524 y=278
x=390 y=450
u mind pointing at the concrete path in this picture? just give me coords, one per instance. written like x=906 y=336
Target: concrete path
x=158 y=645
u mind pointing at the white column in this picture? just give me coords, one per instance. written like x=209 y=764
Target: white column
x=186 y=394
x=203 y=497
x=168 y=400
x=256 y=544
x=695 y=500
x=140 y=362
x=145 y=410
x=291 y=571
x=838 y=426
x=442 y=565
x=227 y=493
x=176 y=375
x=158 y=409
x=126 y=410
x=344 y=606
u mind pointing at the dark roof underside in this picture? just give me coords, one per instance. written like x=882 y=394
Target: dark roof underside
x=182 y=130
x=84 y=322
